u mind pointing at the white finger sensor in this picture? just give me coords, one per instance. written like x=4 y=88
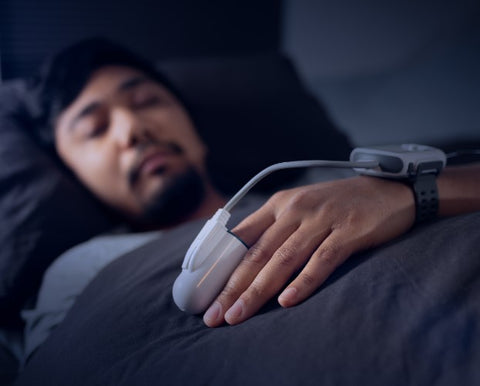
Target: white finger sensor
x=208 y=264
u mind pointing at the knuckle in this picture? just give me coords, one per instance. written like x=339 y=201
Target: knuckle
x=329 y=256
x=280 y=195
x=230 y=291
x=286 y=256
x=275 y=201
x=257 y=255
x=307 y=279
x=305 y=201
x=257 y=290
x=297 y=201
x=353 y=218
x=300 y=197
x=280 y=200
x=330 y=207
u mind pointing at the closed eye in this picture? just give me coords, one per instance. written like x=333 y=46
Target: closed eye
x=97 y=131
x=147 y=102
x=91 y=128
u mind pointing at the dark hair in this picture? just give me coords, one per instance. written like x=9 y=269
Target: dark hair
x=64 y=75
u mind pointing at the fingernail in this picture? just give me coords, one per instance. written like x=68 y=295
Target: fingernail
x=213 y=313
x=235 y=312
x=288 y=296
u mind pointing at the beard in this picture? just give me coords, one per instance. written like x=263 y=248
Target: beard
x=179 y=198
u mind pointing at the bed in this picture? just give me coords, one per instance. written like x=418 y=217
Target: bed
x=407 y=312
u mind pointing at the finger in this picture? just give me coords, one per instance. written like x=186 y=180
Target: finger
x=328 y=256
x=253 y=226
x=255 y=259
x=287 y=259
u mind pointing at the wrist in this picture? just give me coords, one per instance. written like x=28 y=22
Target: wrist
x=397 y=192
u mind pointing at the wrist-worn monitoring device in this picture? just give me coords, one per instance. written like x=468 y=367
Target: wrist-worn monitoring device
x=216 y=251
x=400 y=161
x=418 y=165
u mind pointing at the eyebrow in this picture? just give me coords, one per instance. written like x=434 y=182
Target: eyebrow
x=124 y=86
x=131 y=83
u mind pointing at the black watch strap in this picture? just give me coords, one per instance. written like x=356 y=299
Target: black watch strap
x=426 y=197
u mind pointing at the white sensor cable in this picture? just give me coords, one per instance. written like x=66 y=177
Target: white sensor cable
x=292 y=165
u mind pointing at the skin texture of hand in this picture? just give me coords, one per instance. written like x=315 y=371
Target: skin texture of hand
x=316 y=227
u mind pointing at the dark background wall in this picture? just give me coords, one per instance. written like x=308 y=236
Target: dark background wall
x=32 y=29
x=391 y=71
x=388 y=71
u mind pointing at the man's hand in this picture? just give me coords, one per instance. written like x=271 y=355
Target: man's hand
x=316 y=227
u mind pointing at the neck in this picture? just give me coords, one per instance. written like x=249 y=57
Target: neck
x=213 y=201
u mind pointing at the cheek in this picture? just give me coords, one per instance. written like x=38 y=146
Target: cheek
x=95 y=168
x=187 y=136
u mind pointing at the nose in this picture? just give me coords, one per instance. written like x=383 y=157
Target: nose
x=126 y=130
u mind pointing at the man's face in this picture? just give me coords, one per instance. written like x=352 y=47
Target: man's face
x=128 y=139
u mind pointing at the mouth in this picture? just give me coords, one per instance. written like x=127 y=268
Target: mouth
x=153 y=161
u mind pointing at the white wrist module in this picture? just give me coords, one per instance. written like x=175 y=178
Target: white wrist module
x=400 y=161
x=417 y=165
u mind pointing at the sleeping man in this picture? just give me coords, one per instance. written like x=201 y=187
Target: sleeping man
x=126 y=134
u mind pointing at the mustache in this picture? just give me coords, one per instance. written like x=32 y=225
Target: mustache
x=142 y=151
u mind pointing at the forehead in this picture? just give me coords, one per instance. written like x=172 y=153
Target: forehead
x=103 y=84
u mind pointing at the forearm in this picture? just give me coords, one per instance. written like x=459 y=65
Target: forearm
x=459 y=189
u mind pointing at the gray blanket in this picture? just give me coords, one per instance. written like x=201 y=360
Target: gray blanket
x=405 y=313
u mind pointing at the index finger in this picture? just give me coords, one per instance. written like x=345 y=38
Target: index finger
x=253 y=262
x=252 y=227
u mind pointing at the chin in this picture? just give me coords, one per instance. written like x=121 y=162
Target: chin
x=175 y=199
